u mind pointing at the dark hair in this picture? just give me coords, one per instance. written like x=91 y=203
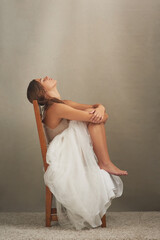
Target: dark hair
x=36 y=91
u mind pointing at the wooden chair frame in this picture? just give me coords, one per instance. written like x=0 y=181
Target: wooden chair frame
x=50 y=213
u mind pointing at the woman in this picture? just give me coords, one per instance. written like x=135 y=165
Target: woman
x=80 y=173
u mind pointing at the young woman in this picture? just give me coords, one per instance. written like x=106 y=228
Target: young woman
x=78 y=158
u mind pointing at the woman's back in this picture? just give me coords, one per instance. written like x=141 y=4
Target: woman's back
x=52 y=132
x=49 y=118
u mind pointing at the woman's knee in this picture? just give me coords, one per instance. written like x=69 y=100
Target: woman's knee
x=91 y=123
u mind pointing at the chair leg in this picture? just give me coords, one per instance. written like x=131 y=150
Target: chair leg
x=48 y=207
x=103 y=221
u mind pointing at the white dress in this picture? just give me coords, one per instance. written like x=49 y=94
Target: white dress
x=83 y=192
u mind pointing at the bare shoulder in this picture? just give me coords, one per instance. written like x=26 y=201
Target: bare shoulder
x=57 y=108
x=54 y=108
x=60 y=106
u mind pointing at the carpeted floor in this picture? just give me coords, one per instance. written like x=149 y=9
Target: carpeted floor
x=120 y=225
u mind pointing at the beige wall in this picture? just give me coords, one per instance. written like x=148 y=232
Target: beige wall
x=103 y=51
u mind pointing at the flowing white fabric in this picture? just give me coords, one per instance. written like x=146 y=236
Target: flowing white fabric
x=82 y=190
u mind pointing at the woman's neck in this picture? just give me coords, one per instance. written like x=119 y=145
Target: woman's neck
x=54 y=93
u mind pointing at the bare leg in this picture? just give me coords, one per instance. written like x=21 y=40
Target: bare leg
x=98 y=136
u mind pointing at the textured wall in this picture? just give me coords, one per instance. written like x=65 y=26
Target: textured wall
x=98 y=51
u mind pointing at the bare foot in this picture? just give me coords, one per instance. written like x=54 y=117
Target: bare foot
x=112 y=169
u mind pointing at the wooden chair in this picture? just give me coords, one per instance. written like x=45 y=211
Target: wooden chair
x=51 y=213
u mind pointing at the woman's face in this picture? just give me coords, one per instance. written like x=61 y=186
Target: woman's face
x=47 y=83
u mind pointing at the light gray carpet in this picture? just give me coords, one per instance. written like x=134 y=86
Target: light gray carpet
x=120 y=225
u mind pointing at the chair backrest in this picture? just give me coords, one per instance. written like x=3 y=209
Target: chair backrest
x=41 y=132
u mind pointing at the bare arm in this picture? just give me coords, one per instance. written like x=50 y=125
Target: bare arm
x=68 y=112
x=81 y=106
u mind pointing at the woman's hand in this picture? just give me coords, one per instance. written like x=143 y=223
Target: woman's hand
x=98 y=114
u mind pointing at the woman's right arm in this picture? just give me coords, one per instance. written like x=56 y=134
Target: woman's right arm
x=66 y=111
